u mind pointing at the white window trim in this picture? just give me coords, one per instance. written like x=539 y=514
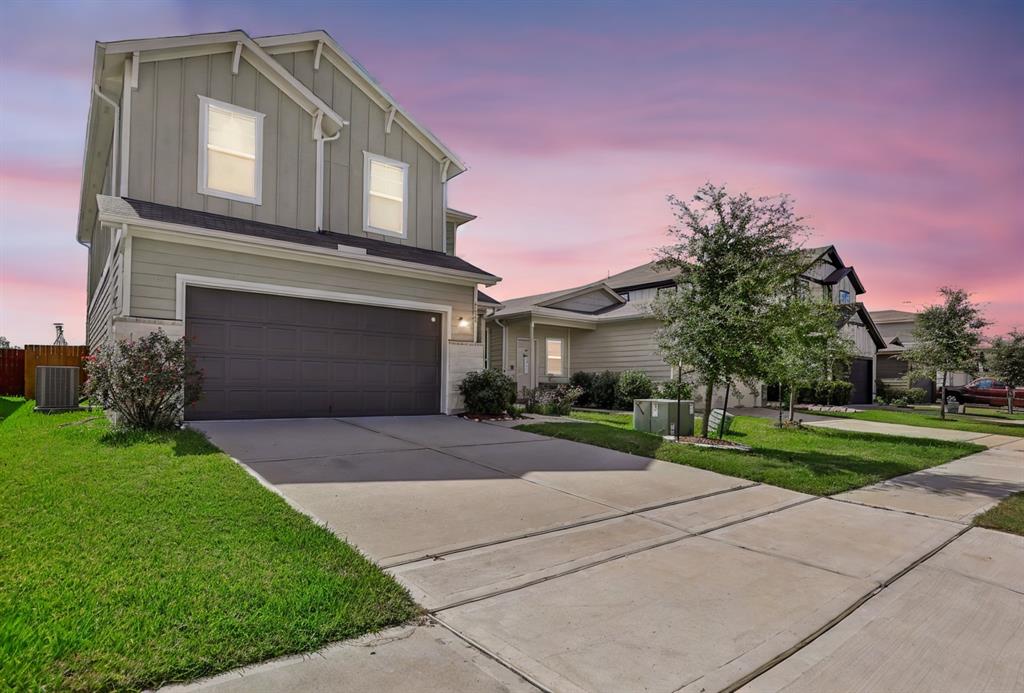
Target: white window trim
x=367 y=158
x=561 y=349
x=204 y=104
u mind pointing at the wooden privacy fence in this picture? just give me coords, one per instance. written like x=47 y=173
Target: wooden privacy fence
x=49 y=355
x=12 y=371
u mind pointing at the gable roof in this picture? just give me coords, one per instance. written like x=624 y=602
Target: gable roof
x=321 y=41
x=886 y=316
x=485 y=300
x=812 y=255
x=122 y=210
x=849 y=310
x=647 y=274
x=601 y=287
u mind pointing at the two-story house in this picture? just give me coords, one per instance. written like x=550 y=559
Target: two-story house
x=270 y=201
x=543 y=339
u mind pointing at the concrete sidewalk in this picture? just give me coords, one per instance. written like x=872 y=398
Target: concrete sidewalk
x=989 y=440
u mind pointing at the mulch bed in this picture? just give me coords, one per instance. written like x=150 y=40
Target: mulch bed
x=489 y=417
x=709 y=443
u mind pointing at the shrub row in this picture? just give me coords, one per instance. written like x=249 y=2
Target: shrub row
x=610 y=390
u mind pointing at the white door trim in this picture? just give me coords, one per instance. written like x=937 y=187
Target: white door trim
x=182 y=281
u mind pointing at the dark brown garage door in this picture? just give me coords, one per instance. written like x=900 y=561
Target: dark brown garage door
x=861 y=377
x=278 y=356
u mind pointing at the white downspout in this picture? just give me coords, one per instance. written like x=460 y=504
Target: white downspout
x=320 y=138
x=115 y=145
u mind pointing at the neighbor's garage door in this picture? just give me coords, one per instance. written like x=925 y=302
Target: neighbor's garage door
x=861 y=377
x=280 y=356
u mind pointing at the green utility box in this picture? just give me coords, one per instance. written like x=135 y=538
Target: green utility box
x=659 y=416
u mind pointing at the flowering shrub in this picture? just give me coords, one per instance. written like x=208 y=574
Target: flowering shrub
x=554 y=401
x=147 y=382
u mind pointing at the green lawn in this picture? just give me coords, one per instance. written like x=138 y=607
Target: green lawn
x=930 y=419
x=974 y=410
x=1008 y=516
x=810 y=460
x=129 y=561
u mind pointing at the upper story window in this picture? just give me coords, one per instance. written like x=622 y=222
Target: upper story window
x=553 y=352
x=385 y=195
x=230 y=151
x=844 y=296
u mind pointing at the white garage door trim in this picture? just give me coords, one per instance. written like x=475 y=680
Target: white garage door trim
x=185 y=280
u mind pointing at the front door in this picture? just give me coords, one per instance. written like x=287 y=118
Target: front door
x=523 y=365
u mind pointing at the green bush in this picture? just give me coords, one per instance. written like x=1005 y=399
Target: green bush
x=584 y=381
x=602 y=392
x=632 y=385
x=488 y=392
x=673 y=389
x=916 y=395
x=835 y=392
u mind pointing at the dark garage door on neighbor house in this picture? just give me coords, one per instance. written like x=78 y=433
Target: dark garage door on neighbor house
x=861 y=377
x=267 y=356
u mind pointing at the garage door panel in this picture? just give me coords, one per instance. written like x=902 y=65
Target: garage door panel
x=276 y=356
x=205 y=333
x=372 y=346
x=247 y=306
x=314 y=313
x=345 y=344
x=344 y=374
x=280 y=372
x=315 y=342
x=283 y=340
x=424 y=350
x=243 y=337
x=245 y=371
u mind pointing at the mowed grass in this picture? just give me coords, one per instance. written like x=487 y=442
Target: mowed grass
x=1008 y=516
x=930 y=419
x=130 y=561
x=809 y=460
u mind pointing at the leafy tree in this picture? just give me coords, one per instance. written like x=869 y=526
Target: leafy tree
x=805 y=347
x=736 y=253
x=947 y=337
x=4 y=342
x=1007 y=362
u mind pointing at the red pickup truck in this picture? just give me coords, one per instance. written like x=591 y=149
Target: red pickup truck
x=985 y=391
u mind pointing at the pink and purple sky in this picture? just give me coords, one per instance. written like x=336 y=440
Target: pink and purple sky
x=898 y=128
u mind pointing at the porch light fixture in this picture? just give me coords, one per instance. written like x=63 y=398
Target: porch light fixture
x=463 y=322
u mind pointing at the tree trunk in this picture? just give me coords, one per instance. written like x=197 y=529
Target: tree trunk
x=780 y=405
x=942 y=409
x=792 y=403
x=725 y=410
x=709 y=390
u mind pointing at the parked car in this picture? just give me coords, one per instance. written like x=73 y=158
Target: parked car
x=985 y=391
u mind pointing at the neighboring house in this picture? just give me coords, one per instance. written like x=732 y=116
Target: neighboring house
x=269 y=200
x=897 y=327
x=543 y=339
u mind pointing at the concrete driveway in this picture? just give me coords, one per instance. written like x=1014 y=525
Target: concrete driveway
x=585 y=569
